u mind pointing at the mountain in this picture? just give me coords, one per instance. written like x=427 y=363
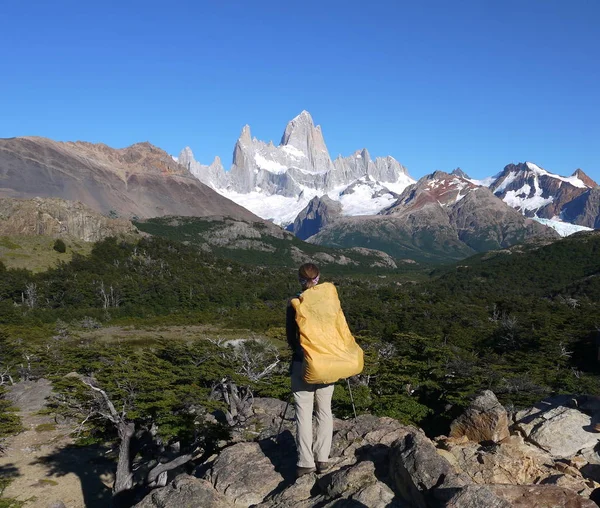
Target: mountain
x=318 y=213
x=278 y=182
x=442 y=216
x=537 y=192
x=141 y=180
x=584 y=209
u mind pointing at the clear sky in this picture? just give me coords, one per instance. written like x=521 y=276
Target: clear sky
x=437 y=84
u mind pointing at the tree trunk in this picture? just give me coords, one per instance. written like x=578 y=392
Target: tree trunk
x=156 y=471
x=124 y=476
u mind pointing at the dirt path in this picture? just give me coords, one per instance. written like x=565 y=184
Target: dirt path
x=43 y=462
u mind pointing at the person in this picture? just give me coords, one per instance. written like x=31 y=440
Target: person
x=308 y=396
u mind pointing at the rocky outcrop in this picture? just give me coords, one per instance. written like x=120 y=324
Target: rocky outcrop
x=484 y=420
x=59 y=218
x=377 y=462
x=186 y=491
x=141 y=180
x=556 y=426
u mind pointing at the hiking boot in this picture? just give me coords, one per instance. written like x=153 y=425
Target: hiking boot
x=301 y=471
x=323 y=467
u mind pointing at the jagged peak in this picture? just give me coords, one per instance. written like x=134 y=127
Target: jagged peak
x=303 y=120
x=579 y=173
x=304 y=116
x=437 y=175
x=245 y=135
x=459 y=172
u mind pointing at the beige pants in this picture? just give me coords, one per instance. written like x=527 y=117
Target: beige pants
x=305 y=397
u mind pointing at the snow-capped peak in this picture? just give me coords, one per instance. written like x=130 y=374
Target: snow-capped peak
x=276 y=182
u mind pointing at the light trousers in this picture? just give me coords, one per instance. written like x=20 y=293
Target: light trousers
x=307 y=396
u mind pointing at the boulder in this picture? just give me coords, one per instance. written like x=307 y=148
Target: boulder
x=300 y=494
x=376 y=495
x=540 y=496
x=563 y=432
x=186 y=491
x=484 y=420
x=575 y=483
x=419 y=472
x=244 y=474
x=517 y=496
x=513 y=461
x=476 y=496
x=347 y=481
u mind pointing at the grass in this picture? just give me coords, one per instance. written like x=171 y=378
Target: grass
x=36 y=253
x=45 y=427
x=45 y=482
x=148 y=335
x=6 y=502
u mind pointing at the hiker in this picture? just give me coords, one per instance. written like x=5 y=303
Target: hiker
x=323 y=352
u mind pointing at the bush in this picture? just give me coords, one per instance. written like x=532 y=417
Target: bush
x=59 y=246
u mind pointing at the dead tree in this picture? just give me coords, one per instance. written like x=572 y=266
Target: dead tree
x=239 y=401
x=104 y=407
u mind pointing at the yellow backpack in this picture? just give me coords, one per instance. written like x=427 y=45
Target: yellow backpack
x=330 y=351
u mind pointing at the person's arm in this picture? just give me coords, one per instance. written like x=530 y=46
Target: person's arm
x=291 y=331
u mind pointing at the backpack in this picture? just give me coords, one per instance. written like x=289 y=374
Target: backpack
x=330 y=351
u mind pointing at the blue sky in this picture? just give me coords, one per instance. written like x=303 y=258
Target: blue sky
x=437 y=84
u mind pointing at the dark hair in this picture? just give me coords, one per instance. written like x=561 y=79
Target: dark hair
x=308 y=271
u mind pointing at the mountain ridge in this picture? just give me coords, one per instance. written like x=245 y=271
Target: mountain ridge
x=139 y=180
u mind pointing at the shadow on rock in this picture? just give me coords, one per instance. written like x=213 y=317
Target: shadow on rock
x=89 y=465
x=282 y=454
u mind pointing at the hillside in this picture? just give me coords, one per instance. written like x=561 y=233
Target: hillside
x=141 y=180
x=261 y=243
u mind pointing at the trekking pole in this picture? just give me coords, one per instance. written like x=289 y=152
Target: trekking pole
x=351 y=397
x=283 y=418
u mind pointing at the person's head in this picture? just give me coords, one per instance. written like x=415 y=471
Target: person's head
x=308 y=275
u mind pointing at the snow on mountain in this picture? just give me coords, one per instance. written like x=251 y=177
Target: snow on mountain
x=562 y=228
x=536 y=192
x=277 y=182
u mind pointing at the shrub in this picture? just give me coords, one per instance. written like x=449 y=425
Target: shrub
x=59 y=246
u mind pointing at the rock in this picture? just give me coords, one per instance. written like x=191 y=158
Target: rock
x=527 y=419
x=476 y=496
x=57 y=504
x=319 y=212
x=244 y=474
x=294 y=495
x=484 y=420
x=347 y=481
x=513 y=461
x=376 y=495
x=30 y=396
x=540 y=496
x=577 y=484
x=186 y=491
x=417 y=470
x=564 y=433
